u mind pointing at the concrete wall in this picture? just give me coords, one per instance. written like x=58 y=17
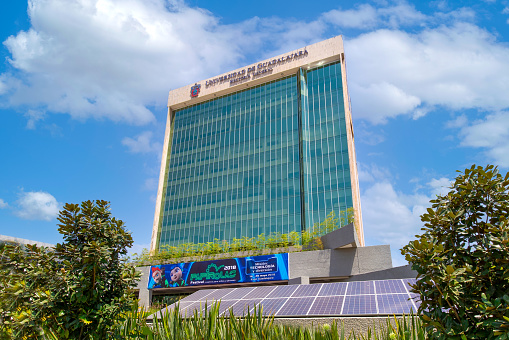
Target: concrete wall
x=402 y=272
x=344 y=237
x=145 y=295
x=342 y=262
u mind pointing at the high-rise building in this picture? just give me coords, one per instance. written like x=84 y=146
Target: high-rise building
x=262 y=149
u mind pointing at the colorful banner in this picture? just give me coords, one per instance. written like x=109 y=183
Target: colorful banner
x=237 y=270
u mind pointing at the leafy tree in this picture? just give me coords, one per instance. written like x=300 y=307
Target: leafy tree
x=77 y=290
x=462 y=259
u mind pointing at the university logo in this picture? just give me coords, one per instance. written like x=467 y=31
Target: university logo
x=195 y=90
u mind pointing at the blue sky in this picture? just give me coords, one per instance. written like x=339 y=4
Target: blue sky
x=84 y=83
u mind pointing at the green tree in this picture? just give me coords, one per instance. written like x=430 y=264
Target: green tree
x=462 y=258
x=77 y=290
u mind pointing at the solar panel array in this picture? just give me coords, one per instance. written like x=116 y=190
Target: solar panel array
x=384 y=297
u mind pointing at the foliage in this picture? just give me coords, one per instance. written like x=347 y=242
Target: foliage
x=212 y=325
x=307 y=240
x=76 y=290
x=462 y=258
x=332 y=222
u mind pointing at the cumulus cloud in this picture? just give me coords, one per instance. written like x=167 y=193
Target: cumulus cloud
x=33 y=117
x=393 y=72
x=393 y=217
x=113 y=58
x=37 y=205
x=3 y=204
x=390 y=101
x=490 y=134
x=390 y=217
x=366 y=16
x=440 y=186
x=142 y=143
x=150 y=184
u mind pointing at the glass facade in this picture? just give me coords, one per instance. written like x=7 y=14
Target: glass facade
x=271 y=158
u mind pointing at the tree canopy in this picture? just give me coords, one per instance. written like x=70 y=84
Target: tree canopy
x=76 y=290
x=462 y=258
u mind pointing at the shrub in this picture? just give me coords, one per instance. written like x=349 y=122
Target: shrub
x=76 y=290
x=462 y=258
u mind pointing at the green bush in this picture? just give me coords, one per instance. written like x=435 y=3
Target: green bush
x=462 y=259
x=307 y=240
x=255 y=325
x=76 y=290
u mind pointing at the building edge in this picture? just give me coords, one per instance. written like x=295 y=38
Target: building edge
x=352 y=156
x=161 y=188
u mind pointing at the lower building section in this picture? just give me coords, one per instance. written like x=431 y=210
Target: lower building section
x=343 y=261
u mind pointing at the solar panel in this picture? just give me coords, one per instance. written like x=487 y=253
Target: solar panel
x=384 y=297
x=416 y=299
x=307 y=290
x=336 y=288
x=219 y=294
x=359 y=305
x=390 y=287
x=190 y=309
x=408 y=282
x=182 y=305
x=197 y=296
x=236 y=294
x=224 y=305
x=296 y=306
x=283 y=291
x=330 y=305
x=242 y=307
x=394 y=304
x=360 y=288
x=259 y=292
x=271 y=306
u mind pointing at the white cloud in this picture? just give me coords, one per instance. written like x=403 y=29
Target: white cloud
x=393 y=72
x=3 y=204
x=151 y=184
x=440 y=186
x=33 y=117
x=390 y=101
x=392 y=217
x=142 y=143
x=3 y=85
x=491 y=134
x=112 y=58
x=371 y=173
x=37 y=205
x=458 y=122
x=366 y=16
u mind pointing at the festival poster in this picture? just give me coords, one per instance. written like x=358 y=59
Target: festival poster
x=237 y=270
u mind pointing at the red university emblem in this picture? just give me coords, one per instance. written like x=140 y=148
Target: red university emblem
x=195 y=90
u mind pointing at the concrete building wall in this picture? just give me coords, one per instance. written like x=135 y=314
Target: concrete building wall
x=339 y=262
x=402 y=272
x=317 y=265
